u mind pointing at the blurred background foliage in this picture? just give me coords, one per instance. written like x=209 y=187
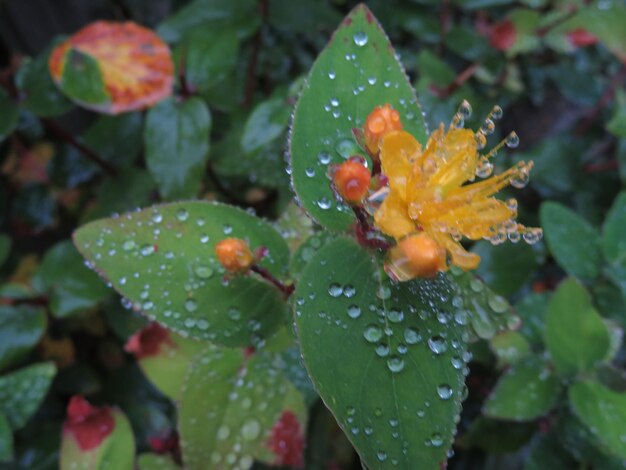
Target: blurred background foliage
x=558 y=70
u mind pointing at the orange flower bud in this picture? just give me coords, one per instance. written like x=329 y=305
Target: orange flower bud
x=381 y=121
x=352 y=180
x=234 y=254
x=417 y=255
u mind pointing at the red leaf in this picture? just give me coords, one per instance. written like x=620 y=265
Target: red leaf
x=147 y=341
x=135 y=64
x=503 y=35
x=581 y=38
x=89 y=425
x=287 y=441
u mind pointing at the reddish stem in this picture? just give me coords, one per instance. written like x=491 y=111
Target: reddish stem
x=364 y=229
x=465 y=75
x=86 y=151
x=286 y=289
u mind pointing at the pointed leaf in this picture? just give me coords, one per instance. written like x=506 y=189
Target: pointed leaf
x=177 y=146
x=525 y=392
x=113 y=67
x=387 y=359
x=573 y=242
x=162 y=259
x=21 y=328
x=356 y=72
x=603 y=411
x=22 y=391
x=575 y=334
x=229 y=407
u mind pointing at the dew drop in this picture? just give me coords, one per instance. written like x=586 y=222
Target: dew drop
x=512 y=140
x=191 y=305
x=251 y=430
x=438 y=345
x=444 y=391
x=182 y=215
x=147 y=250
x=354 y=311
x=360 y=38
x=372 y=333
x=395 y=364
x=382 y=350
x=335 y=290
x=412 y=336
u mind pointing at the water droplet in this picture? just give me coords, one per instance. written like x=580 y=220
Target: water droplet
x=498 y=304
x=332 y=75
x=360 y=38
x=335 y=290
x=182 y=215
x=372 y=333
x=382 y=350
x=512 y=140
x=250 y=430
x=223 y=432
x=444 y=391
x=354 y=311
x=412 y=336
x=324 y=158
x=147 y=250
x=383 y=292
x=395 y=316
x=128 y=245
x=203 y=272
x=395 y=364
x=157 y=217
x=381 y=455
x=437 y=344
x=310 y=172
x=191 y=305
x=324 y=203
x=349 y=291
x=465 y=109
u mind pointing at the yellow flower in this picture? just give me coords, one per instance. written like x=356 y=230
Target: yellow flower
x=427 y=194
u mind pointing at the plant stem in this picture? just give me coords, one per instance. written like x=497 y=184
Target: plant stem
x=286 y=289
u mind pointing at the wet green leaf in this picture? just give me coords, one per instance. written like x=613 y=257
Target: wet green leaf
x=603 y=411
x=176 y=137
x=509 y=347
x=22 y=391
x=20 y=330
x=575 y=334
x=496 y=435
x=477 y=305
x=525 y=391
x=266 y=123
x=155 y=462
x=355 y=73
x=162 y=259
x=532 y=309
x=397 y=349
x=229 y=406
x=573 y=242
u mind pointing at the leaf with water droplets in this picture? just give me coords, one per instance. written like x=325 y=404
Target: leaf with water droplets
x=397 y=350
x=603 y=411
x=22 y=391
x=156 y=462
x=355 y=73
x=230 y=406
x=162 y=260
x=575 y=334
x=478 y=306
x=526 y=391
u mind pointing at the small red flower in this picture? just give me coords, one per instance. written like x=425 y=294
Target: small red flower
x=503 y=35
x=89 y=425
x=287 y=441
x=147 y=341
x=581 y=38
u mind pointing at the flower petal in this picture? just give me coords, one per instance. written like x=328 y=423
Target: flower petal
x=460 y=257
x=392 y=217
x=397 y=152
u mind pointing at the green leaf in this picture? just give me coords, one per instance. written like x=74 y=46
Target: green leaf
x=496 y=436
x=73 y=289
x=41 y=96
x=5 y=248
x=209 y=56
x=506 y=268
x=176 y=137
x=525 y=392
x=6 y=439
x=241 y=16
x=20 y=330
x=229 y=406
x=355 y=73
x=477 y=305
x=509 y=347
x=531 y=309
x=162 y=259
x=10 y=115
x=155 y=462
x=22 y=391
x=613 y=240
x=116 y=451
x=82 y=81
x=547 y=454
x=603 y=411
x=294 y=226
x=307 y=250
x=573 y=242
x=392 y=365
x=575 y=334
x=617 y=123
x=266 y=123
x=167 y=369
x=117 y=139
